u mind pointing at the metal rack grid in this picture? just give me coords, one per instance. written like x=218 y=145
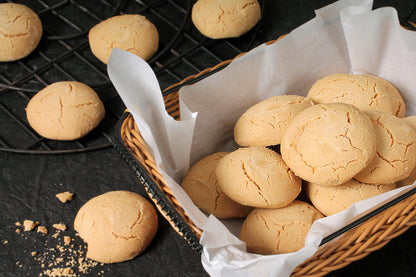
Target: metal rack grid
x=64 y=54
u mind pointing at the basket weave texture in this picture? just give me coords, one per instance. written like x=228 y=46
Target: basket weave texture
x=354 y=245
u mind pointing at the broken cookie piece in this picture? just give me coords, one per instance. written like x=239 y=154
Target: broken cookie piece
x=65 y=196
x=29 y=225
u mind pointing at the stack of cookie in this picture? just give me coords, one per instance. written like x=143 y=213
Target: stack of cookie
x=345 y=142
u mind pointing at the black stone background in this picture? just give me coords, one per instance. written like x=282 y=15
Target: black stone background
x=28 y=184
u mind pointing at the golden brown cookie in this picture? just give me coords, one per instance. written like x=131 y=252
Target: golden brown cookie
x=225 y=18
x=411 y=120
x=396 y=150
x=366 y=92
x=65 y=110
x=130 y=32
x=200 y=183
x=20 y=31
x=264 y=123
x=257 y=177
x=277 y=231
x=330 y=200
x=117 y=226
x=328 y=144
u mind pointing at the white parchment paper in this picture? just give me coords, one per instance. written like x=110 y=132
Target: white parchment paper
x=345 y=37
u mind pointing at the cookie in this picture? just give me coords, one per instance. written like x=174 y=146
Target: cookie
x=366 y=92
x=411 y=121
x=264 y=123
x=200 y=183
x=396 y=150
x=133 y=33
x=328 y=144
x=330 y=200
x=278 y=231
x=257 y=177
x=20 y=31
x=219 y=19
x=65 y=111
x=117 y=226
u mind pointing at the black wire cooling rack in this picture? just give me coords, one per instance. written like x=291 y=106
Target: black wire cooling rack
x=64 y=54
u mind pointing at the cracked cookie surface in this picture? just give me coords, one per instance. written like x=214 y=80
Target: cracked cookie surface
x=117 y=226
x=65 y=110
x=277 y=231
x=20 y=31
x=200 y=183
x=366 y=92
x=257 y=177
x=330 y=200
x=133 y=33
x=329 y=144
x=395 y=152
x=264 y=123
x=219 y=19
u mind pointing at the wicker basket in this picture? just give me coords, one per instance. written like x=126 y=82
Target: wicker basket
x=358 y=239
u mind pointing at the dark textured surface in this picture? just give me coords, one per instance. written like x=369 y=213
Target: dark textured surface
x=28 y=183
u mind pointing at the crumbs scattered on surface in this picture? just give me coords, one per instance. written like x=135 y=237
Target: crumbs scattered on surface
x=42 y=229
x=65 y=196
x=59 y=226
x=67 y=240
x=29 y=225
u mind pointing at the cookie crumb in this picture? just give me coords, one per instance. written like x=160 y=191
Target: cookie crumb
x=17 y=231
x=56 y=235
x=29 y=225
x=67 y=240
x=5 y=242
x=55 y=272
x=33 y=253
x=17 y=223
x=42 y=229
x=59 y=226
x=65 y=196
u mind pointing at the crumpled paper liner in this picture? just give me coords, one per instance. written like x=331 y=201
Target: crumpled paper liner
x=344 y=37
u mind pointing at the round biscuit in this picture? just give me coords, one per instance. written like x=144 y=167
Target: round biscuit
x=200 y=183
x=257 y=177
x=395 y=152
x=329 y=144
x=366 y=92
x=330 y=200
x=117 y=226
x=264 y=123
x=219 y=19
x=278 y=231
x=65 y=110
x=133 y=33
x=20 y=31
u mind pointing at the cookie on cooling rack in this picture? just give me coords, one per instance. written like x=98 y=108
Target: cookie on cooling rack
x=20 y=31
x=65 y=110
x=225 y=18
x=133 y=33
x=117 y=226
